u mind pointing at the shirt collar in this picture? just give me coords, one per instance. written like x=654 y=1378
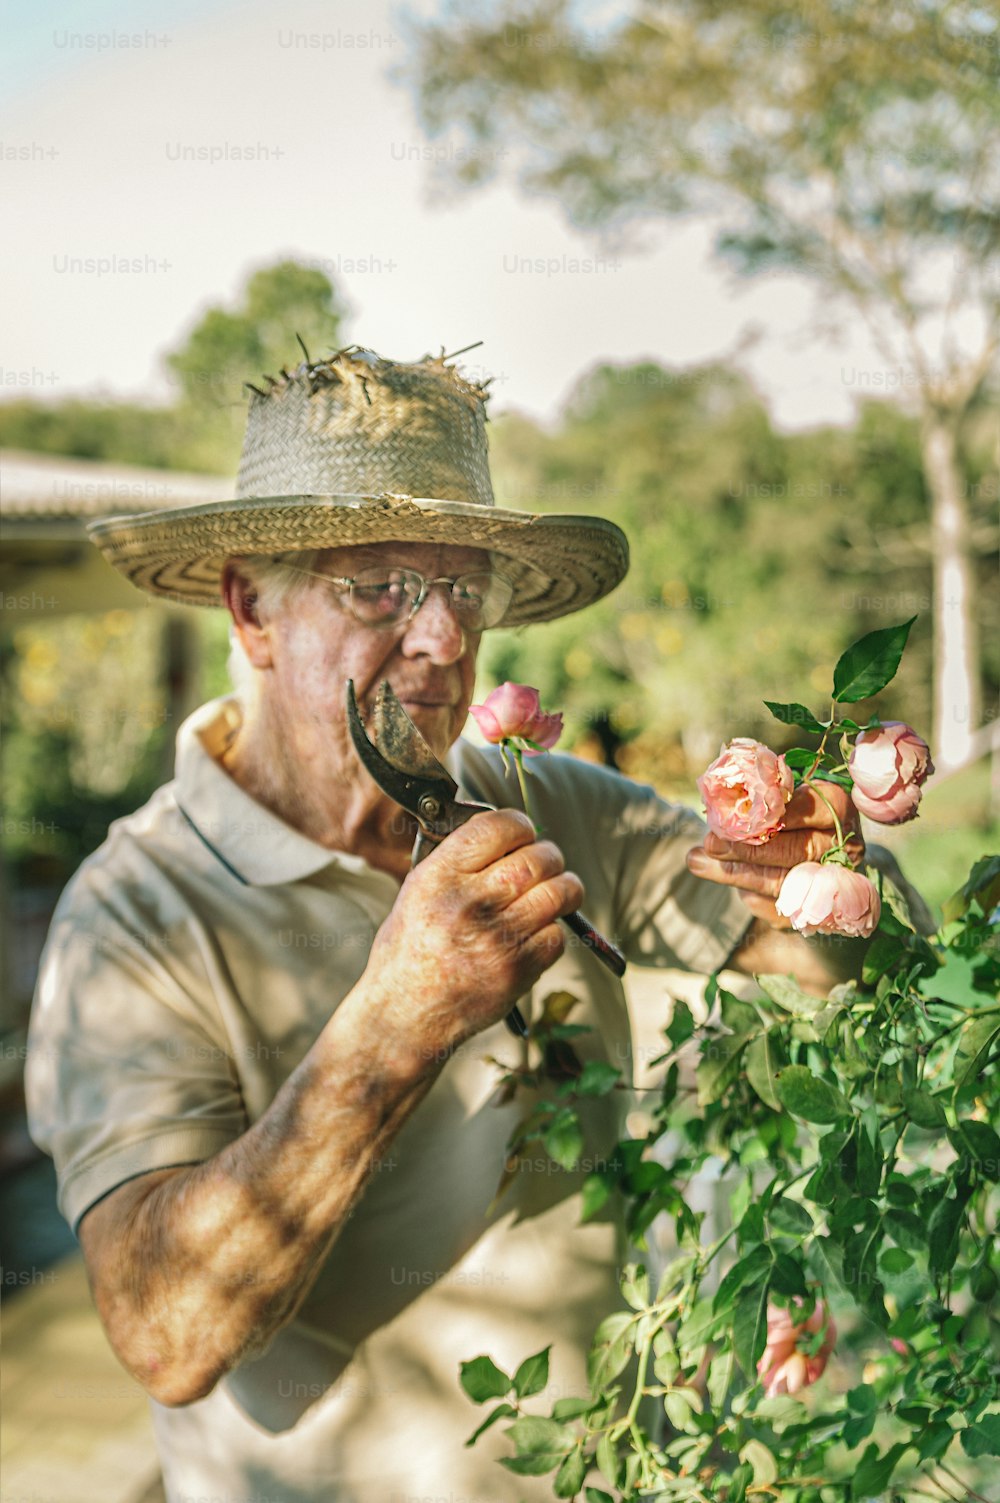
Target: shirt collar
x=257 y=846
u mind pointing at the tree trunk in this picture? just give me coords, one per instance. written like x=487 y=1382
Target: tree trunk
x=956 y=641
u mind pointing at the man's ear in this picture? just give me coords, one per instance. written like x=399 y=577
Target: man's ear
x=240 y=596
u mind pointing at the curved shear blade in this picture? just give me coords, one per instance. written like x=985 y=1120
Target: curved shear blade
x=399 y=759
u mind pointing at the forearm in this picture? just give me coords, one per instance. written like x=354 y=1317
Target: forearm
x=213 y=1260
x=818 y=963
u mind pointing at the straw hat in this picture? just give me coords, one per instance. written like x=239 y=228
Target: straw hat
x=357 y=449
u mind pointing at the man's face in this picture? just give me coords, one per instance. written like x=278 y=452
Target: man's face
x=318 y=644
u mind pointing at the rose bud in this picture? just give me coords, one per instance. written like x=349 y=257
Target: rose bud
x=783 y=1368
x=889 y=766
x=829 y=899
x=514 y=712
x=745 y=791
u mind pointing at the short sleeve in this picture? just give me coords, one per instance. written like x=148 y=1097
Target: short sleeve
x=666 y=915
x=125 y=1074
x=628 y=846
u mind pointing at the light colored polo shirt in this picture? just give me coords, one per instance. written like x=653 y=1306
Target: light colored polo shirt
x=192 y=962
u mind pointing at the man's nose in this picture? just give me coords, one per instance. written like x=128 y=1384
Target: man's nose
x=435 y=630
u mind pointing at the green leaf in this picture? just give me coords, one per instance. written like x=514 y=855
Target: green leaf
x=482 y=1380
x=765 y=1467
x=569 y=1478
x=567 y=1409
x=870 y=663
x=788 y=1276
x=536 y=1436
x=596 y=1495
x=795 y=714
x=678 y=1408
x=595 y=1191
x=635 y=1286
x=533 y=1374
x=882 y=953
x=785 y=990
x=804 y=1094
x=895 y=1260
x=750 y=1328
x=979 y=1141
x=974 y=1045
x=983 y=878
x=942 y=1234
x=857 y=1429
x=718 y=1066
x=606 y=1457
x=924 y=1109
x=862 y=1400
x=748 y=1270
x=869 y=1159
x=533 y=1464
x=873 y=1472
x=598 y=1078
x=906 y=1228
x=764 y=1059
x=500 y=1412
x=697 y=1326
x=563 y=1139
x=681 y=1025
x=799 y=759
x=982 y=1438
x=611 y=1350
x=788 y=1216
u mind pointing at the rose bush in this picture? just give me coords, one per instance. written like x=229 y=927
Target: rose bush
x=856 y=1138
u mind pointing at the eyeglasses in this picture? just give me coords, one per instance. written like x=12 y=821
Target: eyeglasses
x=387 y=596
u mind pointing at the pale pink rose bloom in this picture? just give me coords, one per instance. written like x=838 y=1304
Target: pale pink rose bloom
x=515 y=710
x=745 y=791
x=783 y=1368
x=888 y=766
x=829 y=899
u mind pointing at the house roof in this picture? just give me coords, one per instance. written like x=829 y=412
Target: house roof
x=39 y=491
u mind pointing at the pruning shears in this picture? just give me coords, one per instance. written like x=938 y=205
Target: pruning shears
x=405 y=768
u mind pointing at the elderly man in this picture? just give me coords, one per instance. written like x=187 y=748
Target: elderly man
x=259 y=1037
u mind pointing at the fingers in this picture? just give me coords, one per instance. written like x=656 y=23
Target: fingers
x=484 y=839
x=785 y=849
x=765 y=880
x=806 y=809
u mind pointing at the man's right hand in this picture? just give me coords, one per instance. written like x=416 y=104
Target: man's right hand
x=472 y=930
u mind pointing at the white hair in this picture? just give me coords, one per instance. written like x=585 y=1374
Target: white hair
x=274 y=583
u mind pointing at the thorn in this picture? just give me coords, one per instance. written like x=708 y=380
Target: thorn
x=249 y=386
x=302 y=347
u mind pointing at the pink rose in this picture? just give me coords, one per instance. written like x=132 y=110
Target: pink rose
x=783 y=1367
x=888 y=766
x=515 y=712
x=828 y=899
x=745 y=791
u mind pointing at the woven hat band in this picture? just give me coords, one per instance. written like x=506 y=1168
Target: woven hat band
x=403 y=432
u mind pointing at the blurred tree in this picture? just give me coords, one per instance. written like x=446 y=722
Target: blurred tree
x=854 y=141
x=227 y=348
x=224 y=349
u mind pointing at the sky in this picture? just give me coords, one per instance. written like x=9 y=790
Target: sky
x=154 y=154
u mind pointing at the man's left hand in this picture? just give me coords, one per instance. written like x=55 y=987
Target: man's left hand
x=759 y=870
